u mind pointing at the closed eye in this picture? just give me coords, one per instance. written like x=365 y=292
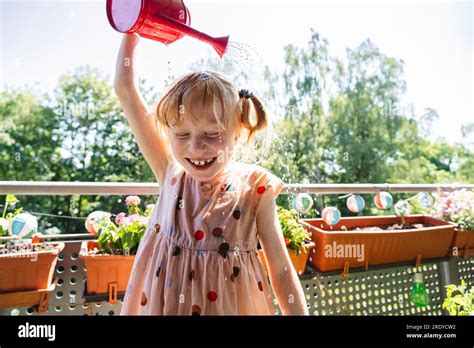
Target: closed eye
x=208 y=134
x=212 y=134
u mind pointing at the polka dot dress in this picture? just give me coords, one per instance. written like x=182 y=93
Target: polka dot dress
x=199 y=254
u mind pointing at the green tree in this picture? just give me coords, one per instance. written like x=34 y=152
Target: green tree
x=365 y=116
x=301 y=154
x=78 y=134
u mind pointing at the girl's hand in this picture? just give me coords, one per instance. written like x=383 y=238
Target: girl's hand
x=131 y=39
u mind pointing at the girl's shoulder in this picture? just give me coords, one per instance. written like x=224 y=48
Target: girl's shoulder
x=173 y=170
x=260 y=179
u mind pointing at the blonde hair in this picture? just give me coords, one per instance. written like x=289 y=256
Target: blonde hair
x=210 y=92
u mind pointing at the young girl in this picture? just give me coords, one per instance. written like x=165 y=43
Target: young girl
x=199 y=254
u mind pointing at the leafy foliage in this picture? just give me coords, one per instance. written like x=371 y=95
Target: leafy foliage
x=124 y=235
x=10 y=200
x=456 y=206
x=296 y=236
x=461 y=303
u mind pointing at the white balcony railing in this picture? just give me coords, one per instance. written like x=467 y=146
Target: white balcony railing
x=115 y=188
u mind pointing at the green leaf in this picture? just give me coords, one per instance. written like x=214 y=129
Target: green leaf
x=16 y=212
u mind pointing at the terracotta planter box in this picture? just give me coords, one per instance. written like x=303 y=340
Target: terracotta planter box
x=105 y=270
x=335 y=247
x=38 y=299
x=464 y=242
x=299 y=261
x=29 y=270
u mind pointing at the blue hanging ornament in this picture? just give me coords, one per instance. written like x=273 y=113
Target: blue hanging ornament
x=302 y=202
x=355 y=203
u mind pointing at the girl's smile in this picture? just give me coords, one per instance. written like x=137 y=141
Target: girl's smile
x=202 y=164
x=202 y=148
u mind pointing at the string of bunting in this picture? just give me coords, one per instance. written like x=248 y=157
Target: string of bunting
x=51 y=215
x=25 y=224
x=57 y=216
x=356 y=203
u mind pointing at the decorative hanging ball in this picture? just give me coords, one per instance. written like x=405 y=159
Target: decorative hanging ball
x=302 y=202
x=24 y=225
x=402 y=208
x=4 y=223
x=355 y=203
x=383 y=200
x=331 y=215
x=425 y=199
x=93 y=220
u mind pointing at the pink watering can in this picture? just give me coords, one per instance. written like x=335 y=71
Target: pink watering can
x=161 y=20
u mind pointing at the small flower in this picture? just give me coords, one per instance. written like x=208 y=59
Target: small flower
x=119 y=218
x=458 y=207
x=142 y=221
x=149 y=209
x=132 y=200
x=133 y=217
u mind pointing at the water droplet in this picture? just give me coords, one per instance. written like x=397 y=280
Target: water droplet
x=246 y=58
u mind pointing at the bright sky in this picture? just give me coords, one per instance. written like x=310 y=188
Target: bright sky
x=40 y=40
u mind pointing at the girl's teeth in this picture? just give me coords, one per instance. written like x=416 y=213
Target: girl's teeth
x=201 y=163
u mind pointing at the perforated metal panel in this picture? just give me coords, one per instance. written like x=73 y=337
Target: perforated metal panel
x=466 y=270
x=381 y=291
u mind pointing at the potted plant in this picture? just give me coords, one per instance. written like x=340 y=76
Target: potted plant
x=297 y=239
x=374 y=240
x=458 y=208
x=7 y=217
x=109 y=260
x=461 y=303
x=26 y=268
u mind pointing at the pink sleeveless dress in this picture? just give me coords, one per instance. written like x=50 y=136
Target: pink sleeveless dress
x=199 y=255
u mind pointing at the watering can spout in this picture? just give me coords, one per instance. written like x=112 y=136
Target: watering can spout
x=220 y=44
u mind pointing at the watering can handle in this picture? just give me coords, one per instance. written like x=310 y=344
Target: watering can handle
x=189 y=16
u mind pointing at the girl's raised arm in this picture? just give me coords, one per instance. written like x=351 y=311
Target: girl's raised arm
x=152 y=144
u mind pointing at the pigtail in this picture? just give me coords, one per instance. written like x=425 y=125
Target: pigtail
x=253 y=117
